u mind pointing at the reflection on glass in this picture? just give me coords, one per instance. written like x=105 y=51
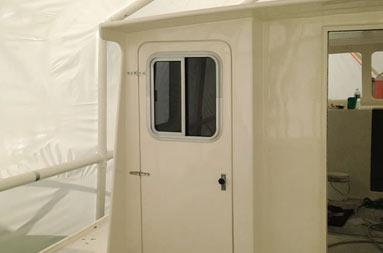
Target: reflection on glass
x=167 y=96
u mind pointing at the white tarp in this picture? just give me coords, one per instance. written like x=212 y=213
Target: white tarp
x=48 y=110
x=345 y=74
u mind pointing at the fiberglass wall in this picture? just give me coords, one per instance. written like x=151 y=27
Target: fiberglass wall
x=126 y=205
x=290 y=130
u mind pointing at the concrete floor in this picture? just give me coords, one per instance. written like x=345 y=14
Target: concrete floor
x=350 y=248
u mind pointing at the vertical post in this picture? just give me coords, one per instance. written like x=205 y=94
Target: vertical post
x=102 y=106
x=102 y=124
x=366 y=77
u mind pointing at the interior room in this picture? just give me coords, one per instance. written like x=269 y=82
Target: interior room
x=355 y=141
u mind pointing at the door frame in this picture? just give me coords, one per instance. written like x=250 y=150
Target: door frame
x=326 y=29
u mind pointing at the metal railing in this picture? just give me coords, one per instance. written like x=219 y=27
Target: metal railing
x=102 y=155
x=37 y=175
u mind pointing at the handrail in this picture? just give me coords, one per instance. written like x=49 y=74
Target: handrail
x=130 y=9
x=37 y=175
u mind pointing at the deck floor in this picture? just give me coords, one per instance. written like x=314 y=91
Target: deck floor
x=94 y=240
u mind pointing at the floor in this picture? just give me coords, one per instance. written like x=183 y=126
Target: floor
x=350 y=248
x=356 y=228
x=95 y=242
x=92 y=240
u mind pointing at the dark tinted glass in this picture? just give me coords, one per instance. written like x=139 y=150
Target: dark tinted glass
x=200 y=96
x=167 y=96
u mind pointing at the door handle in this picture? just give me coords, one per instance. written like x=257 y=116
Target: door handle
x=139 y=173
x=222 y=182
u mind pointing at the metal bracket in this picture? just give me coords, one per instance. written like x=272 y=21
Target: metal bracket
x=139 y=173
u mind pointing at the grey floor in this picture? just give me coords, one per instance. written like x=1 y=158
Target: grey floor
x=350 y=248
x=93 y=241
x=356 y=228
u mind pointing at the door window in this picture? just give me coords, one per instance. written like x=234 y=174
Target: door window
x=184 y=96
x=167 y=96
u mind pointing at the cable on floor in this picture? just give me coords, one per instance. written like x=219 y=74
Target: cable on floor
x=332 y=245
x=339 y=191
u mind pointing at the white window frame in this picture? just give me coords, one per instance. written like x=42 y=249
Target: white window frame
x=181 y=58
x=367 y=100
x=372 y=86
x=152 y=118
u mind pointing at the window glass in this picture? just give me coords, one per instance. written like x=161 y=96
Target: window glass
x=201 y=89
x=344 y=75
x=184 y=96
x=167 y=96
x=377 y=74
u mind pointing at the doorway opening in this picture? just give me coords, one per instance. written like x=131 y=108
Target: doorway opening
x=355 y=141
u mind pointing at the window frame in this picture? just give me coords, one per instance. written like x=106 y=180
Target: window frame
x=180 y=57
x=362 y=88
x=367 y=100
x=379 y=50
x=152 y=118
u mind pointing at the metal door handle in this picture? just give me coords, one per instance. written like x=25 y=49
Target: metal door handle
x=139 y=173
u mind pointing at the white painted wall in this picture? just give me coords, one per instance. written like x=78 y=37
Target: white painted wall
x=289 y=165
x=290 y=121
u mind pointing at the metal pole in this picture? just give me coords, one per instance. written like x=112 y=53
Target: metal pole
x=130 y=9
x=37 y=175
x=102 y=106
x=102 y=121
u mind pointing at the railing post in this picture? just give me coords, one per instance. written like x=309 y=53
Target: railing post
x=102 y=123
x=102 y=105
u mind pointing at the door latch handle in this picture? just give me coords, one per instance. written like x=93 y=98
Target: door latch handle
x=139 y=173
x=222 y=182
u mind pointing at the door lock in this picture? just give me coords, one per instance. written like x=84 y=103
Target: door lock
x=222 y=182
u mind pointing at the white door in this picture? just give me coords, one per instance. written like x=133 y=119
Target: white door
x=186 y=147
